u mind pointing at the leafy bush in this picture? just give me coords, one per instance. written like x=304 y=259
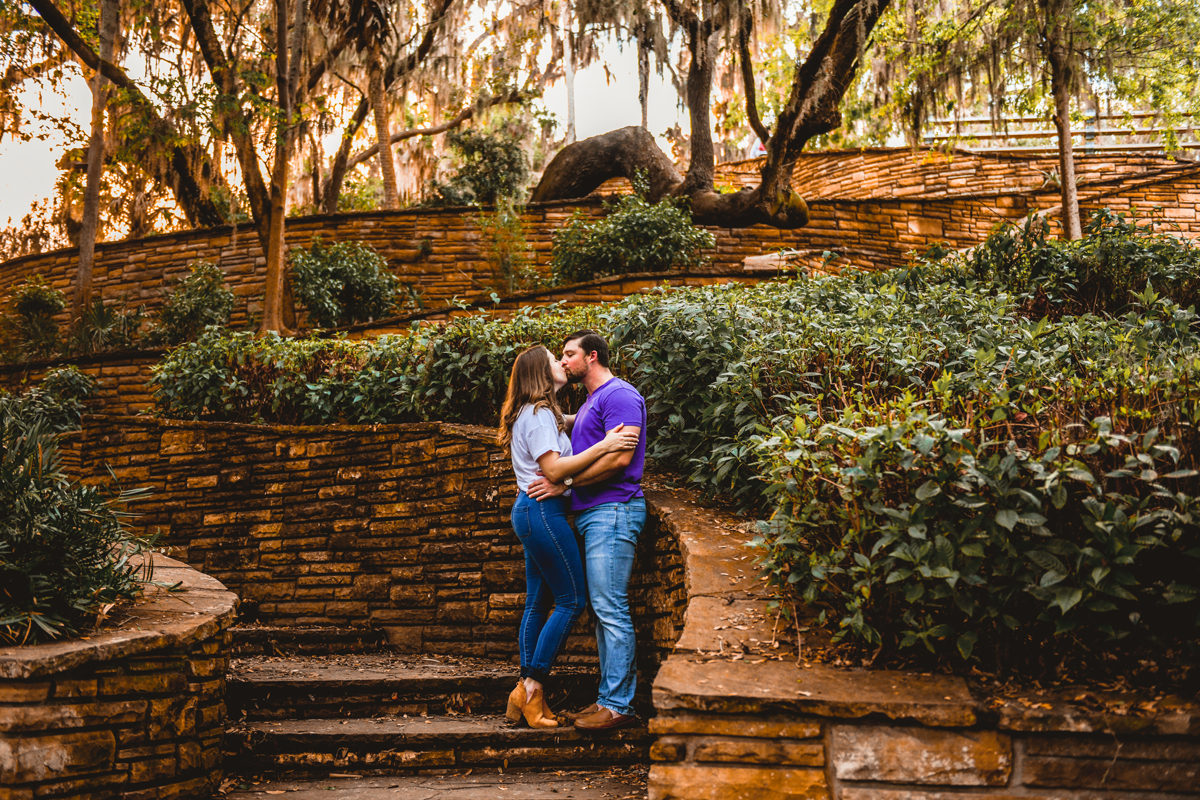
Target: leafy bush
x=58 y=403
x=458 y=371
x=193 y=304
x=65 y=557
x=937 y=464
x=342 y=283
x=29 y=328
x=492 y=166
x=1099 y=273
x=636 y=236
x=106 y=327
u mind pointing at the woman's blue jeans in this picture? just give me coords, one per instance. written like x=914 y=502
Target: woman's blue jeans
x=553 y=576
x=610 y=535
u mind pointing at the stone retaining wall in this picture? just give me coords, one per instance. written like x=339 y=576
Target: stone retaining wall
x=403 y=527
x=135 y=711
x=734 y=720
x=873 y=206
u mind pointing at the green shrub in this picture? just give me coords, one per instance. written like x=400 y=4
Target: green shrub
x=492 y=166
x=192 y=305
x=636 y=236
x=937 y=463
x=59 y=401
x=342 y=283
x=458 y=371
x=65 y=557
x=106 y=327
x=1099 y=273
x=29 y=327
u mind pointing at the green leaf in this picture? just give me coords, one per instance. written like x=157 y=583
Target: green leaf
x=927 y=490
x=966 y=644
x=1007 y=518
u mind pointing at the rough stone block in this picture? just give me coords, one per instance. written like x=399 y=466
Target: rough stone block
x=735 y=725
x=1113 y=775
x=692 y=782
x=669 y=748
x=920 y=755
x=759 y=751
x=42 y=757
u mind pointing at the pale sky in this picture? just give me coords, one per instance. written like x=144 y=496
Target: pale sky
x=27 y=171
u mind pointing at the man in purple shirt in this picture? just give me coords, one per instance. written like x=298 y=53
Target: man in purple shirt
x=610 y=512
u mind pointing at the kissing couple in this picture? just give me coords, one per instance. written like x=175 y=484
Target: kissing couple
x=589 y=463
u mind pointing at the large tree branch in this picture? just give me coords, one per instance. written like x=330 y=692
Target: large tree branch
x=746 y=23
x=458 y=119
x=229 y=111
x=185 y=164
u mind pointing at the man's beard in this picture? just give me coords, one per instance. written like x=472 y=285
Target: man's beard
x=575 y=377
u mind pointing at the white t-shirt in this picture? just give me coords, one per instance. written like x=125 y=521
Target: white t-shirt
x=534 y=434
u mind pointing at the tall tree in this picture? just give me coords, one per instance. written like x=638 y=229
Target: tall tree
x=109 y=15
x=818 y=84
x=154 y=143
x=1038 y=57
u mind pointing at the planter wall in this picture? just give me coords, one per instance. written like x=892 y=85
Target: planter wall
x=401 y=527
x=134 y=711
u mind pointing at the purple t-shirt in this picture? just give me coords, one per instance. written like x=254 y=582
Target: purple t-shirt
x=606 y=408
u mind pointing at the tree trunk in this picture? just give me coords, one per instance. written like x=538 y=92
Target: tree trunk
x=109 y=18
x=287 y=61
x=383 y=134
x=578 y=170
x=1058 y=54
x=332 y=189
x=702 y=40
x=644 y=44
x=569 y=70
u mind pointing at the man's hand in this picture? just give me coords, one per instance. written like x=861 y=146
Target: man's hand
x=542 y=488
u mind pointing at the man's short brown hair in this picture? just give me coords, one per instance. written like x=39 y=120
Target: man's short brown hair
x=589 y=342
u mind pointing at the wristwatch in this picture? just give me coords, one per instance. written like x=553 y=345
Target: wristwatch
x=568 y=481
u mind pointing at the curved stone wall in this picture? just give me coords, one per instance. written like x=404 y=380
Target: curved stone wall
x=871 y=206
x=399 y=527
x=133 y=711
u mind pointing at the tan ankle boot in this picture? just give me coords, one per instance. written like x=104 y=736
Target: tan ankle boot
x=516 y=703
x=534 y=714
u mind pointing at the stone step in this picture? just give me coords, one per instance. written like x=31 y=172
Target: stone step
x=261 y=640
x=627 y=783
x=397 y=745
x=371 y=685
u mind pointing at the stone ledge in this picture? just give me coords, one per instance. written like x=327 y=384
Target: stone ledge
x=161 y=620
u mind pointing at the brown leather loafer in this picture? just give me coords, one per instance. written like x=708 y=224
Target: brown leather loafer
x=574 y=715
x=604 y=720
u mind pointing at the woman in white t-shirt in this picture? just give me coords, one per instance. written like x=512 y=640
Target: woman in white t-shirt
x=534 y=430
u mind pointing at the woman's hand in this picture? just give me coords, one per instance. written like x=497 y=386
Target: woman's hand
x=619 y=439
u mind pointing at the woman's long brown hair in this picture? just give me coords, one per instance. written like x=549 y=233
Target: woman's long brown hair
x=531 y=382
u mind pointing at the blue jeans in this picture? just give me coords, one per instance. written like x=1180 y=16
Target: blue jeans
x=553 y=575
x=610 y=533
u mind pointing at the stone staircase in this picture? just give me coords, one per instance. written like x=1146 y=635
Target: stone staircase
x=359 y=710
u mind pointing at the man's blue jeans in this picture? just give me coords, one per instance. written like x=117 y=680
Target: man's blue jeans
x=610 y=534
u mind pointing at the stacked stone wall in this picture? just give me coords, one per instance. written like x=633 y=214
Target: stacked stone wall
x=896 y=173
x=403 y=527
x=133 y=712
x=873 y=206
